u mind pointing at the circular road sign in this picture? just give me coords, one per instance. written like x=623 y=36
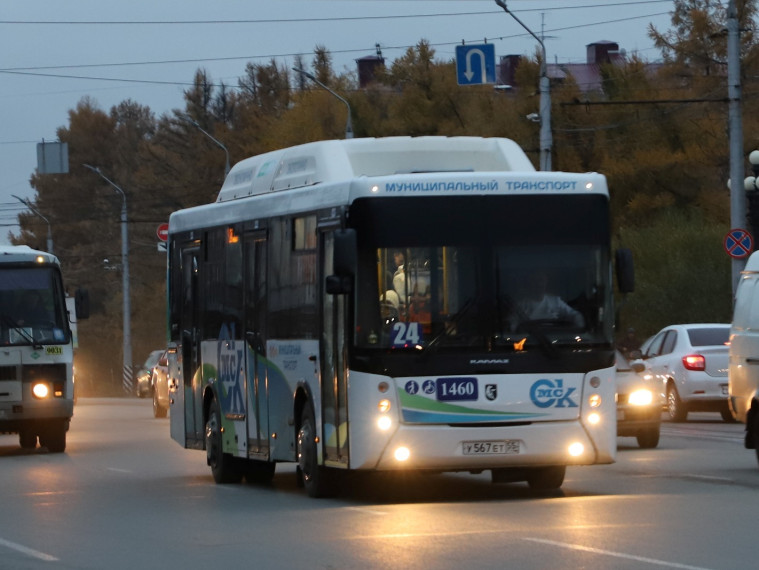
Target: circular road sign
x=163 y=232
x=738 y=243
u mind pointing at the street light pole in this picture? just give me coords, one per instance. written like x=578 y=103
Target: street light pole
x=735 y=130
x=197 y=126
x=127 y=330
x=348 y=124
x=28 y=204
x=546 y=138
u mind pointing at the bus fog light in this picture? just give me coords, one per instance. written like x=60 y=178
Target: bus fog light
x=402 y=454
x=594 y=418
x=40 y=390
x=594 y=401
x=384 y=423
x=576 y=449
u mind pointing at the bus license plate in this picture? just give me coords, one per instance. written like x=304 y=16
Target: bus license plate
x=500 y=447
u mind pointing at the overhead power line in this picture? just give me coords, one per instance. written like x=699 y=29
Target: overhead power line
x=312 y=20
x=35 y=71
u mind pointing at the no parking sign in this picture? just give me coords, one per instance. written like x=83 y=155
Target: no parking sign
x=738 y=243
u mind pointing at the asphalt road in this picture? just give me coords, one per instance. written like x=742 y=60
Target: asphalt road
x=124 y=495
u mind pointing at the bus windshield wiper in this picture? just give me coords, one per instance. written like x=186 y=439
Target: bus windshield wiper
x=454 y=320
x=11 y=323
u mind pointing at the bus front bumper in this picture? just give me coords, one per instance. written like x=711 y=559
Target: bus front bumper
x=452 y=448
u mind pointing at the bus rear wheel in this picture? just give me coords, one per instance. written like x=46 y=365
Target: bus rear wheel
x=317 y=480
x=223 y=466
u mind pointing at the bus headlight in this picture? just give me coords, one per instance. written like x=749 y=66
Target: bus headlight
x=594 y=401
x=40 y=390
x=384 y=423
x=594 y=418
x=576 y=449
x=402 y=454
x=642 y=397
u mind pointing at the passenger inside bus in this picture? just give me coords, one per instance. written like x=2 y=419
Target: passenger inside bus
x=535 y=303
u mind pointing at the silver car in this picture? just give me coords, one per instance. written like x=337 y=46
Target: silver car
x=691 y=362
x=159 y=381
x=143 y=383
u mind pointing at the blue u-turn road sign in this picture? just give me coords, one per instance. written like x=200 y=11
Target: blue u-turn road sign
x=475 y=64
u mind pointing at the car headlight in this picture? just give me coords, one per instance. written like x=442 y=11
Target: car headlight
x=642 y=397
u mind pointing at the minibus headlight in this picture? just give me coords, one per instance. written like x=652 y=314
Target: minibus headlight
x=40 y=390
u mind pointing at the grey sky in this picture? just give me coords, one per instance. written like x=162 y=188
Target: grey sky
x=54 y=52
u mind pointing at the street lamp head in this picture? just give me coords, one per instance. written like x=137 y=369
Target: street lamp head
x=304 y=73
x=753 y=158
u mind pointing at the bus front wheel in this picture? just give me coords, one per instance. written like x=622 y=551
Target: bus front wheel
x=53 y=436
x=314 y=477
x=546 y=478
x=223 y=466
x=27 y=439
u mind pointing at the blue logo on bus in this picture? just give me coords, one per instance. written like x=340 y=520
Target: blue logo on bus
x=547 y=393
x=230 y=371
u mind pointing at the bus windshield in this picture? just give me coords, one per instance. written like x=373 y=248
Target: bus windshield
x=32 y=310
x=503 y=285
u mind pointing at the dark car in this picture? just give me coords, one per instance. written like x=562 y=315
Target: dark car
x=142 y=378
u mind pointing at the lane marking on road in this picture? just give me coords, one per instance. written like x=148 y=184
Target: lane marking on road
x=394 y=535
x=365 y=510
x=117 y=470
x=616 y=554
x=708 y=478
x=28 y=551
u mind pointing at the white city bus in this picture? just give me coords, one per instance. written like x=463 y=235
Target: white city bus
x=36 y=348
x=294 y=337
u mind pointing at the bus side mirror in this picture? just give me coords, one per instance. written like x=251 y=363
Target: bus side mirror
x=82 y=303
x=625 y=270
x=344 y=259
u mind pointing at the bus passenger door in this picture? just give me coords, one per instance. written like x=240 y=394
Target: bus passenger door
x=334 y=368
x=190 y=349
x=255 y=340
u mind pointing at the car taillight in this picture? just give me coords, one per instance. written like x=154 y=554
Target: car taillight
x=694 y=362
